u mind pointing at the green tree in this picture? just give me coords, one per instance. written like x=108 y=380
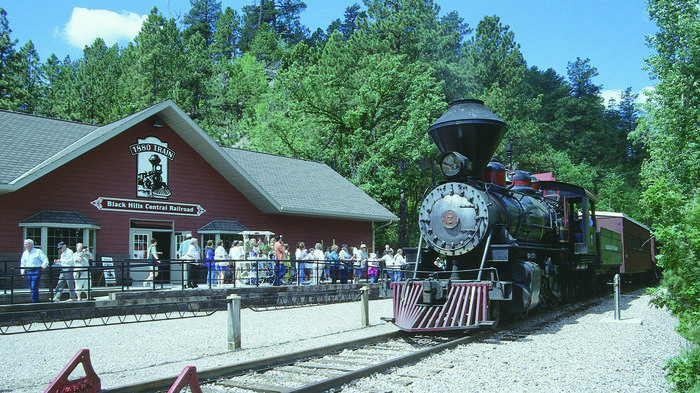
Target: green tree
x=61 y=95
x=202 y=19
x=237 y=88
x=226 y=35
x=583 y=114
x=358 y=113
x=198 y=71
x=97 y=80
x=159 y=64
x=9 y=79
x=670 y=131
x=494 y=71
x=30 y=80
x=347 y=26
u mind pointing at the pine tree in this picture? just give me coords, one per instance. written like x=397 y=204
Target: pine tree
x=9 y=79
x=202 y=19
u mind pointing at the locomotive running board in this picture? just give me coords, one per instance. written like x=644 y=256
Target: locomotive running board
x=466 y=307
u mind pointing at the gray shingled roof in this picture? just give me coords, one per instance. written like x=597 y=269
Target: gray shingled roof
x=298 y=186
x=30 y=140
x=60 y=217
x=222 y=226
x=271 y=183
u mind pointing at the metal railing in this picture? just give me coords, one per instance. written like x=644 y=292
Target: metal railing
x=130 y=274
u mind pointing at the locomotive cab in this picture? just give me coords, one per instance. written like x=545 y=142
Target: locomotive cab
x=578 y=222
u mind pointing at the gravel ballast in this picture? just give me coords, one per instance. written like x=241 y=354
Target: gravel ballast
x=585 y=353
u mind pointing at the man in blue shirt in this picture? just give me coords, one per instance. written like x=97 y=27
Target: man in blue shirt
x=32 y=262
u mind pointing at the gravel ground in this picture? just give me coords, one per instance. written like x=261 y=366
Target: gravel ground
x=588 y=353
x=585 y=353
x=127 y=354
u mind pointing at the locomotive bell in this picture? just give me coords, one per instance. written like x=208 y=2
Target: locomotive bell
x=470 y=129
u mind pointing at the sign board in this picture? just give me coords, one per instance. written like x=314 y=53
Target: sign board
x=110 y=276
x=142 y=206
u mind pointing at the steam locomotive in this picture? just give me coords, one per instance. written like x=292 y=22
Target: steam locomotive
x=494 y=247
x=150 y=183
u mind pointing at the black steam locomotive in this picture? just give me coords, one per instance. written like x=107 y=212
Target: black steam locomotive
x=150 y=183
x=494 y=246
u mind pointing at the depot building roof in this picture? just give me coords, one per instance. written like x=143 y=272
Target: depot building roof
x=34 y=146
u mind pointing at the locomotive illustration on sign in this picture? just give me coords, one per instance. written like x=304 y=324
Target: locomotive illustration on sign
x=152 y=167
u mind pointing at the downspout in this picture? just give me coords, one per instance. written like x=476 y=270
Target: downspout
x=374 y=245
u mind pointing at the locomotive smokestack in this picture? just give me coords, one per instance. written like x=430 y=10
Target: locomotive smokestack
x=471 y=129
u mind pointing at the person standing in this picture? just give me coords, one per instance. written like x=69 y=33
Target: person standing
x=210 y=264
x=192 y=256
x=334 y=262
x=360 y=262
x=372 y=267
x=346 y=259
x=399 y=262
x=82 y=257
x=152 y=256
x=299 y=258
x=33 y=261
x=386 y=264
x=221 y=258
x=66 y=262
x=319 y=256
x=280 y=268
x=181 y=252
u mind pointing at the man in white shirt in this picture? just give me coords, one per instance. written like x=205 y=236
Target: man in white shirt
x=66 y=262
x=82 y=262
x=32 y=263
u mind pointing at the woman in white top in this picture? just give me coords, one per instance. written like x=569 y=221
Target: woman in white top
x=221 y=259
x=192 y=255
x=399 y=261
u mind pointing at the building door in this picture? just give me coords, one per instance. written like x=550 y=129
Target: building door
x=164 y=240
x=140 y=241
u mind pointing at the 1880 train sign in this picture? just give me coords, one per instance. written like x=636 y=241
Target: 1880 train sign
x=152 y=167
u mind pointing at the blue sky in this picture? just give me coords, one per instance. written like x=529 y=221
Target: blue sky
x=611 y=33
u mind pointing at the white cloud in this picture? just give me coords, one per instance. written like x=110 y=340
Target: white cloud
x=614 y=94
x=85 y=25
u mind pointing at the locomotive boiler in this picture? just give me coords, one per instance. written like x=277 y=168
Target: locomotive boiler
x=491 y=247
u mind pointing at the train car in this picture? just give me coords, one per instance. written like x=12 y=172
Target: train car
x=637 y=247
x=494 y=247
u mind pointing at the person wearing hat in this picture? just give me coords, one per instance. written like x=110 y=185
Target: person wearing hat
x=66 y=262
x=360 y=262
x=192 y=256
x=181 y=252
x=184 y=246
x=32 y=263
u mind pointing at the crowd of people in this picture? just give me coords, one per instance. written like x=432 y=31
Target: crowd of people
x=254 y=262
x=74 y=270
x=274 y=262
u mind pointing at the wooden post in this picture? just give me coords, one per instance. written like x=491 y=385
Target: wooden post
x=234 y=322
x=364 y=299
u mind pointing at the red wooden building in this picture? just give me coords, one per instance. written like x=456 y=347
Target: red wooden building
x=156 y=174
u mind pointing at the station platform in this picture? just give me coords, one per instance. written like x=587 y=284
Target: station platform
x=262 y=296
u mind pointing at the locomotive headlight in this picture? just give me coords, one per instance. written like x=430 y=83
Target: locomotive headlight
x=452 y=163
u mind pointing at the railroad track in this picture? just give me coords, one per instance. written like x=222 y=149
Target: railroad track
x=337 y=367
